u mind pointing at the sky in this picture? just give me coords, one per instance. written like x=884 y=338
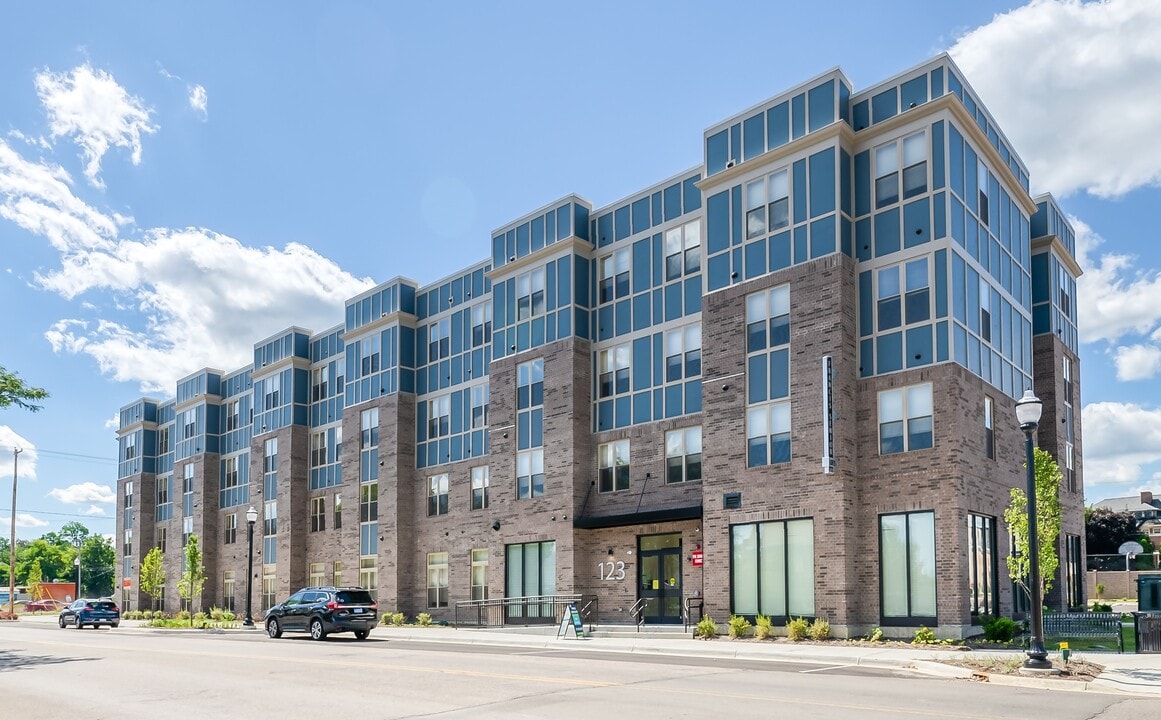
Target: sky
x=181 y=180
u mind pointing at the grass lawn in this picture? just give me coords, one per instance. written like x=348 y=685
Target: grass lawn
x=1052 y=643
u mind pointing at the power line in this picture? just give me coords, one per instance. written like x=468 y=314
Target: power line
x=75 y=456
x=49 y=512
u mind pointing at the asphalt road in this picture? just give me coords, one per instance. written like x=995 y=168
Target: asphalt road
x=52 y=674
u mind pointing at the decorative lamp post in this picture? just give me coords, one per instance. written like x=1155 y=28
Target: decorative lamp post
x=77 y=562
x=1028 y=409
x=251 y=518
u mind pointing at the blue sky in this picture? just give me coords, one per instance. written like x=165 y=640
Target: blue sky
x=178 y=181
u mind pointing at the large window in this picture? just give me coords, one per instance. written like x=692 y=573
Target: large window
x=907 y=568
x=439 y=340
x=911 y=155
x=613 y=466
x=318 y=514
x=439 y=417
x=768 y=204
x=683 y=353
x=338 y=512
x=530 y=404
x=683 y=455
x=614 y=276
x=530 y=572
x=530 y=474
x=905 y=419
x=683 y=250
x=481 y=324
x=768 y=434
x=480 y=488
x=437 y=495
x=982 y=568
x=231 y=529
x=613 y=371
x=772 y=569
x=437 y=580
x=369 y=575
x=318 y=449
x=480 y=574
x=530 y=294
x=989 y=428
x=316 y=574
x=1074 y=573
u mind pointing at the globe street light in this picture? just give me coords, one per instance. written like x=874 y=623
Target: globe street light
x=251 y=518
x=1028 y=409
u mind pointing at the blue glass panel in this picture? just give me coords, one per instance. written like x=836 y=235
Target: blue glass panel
x=623 y=411
x=658 y=255
x=863 y=239
x=1042 y=319
x=717 y=152
x=866 y=358
x=621 y=223
x=919 y=350
x=642 y=220
x=755 y=253
x=718 y=223
x=658 y=306
x=624 y=316
x=642 y=364
x=866 y=305
x=847 y=237
x=936 y=82
x=655 y=203
x=822 y=183
x=798 y=116
x=658 y=359
x=642 y=313
x=537 y=233
x=564 y=282
x=862 y=115
x=913 y=93
x=863 y=183
x=778 y=125
x=939 y=205
x=537 y=331
x=799 y=191
x=550 y=327
x=522 y=240
x=753 y=136
x=780 y=251
x=940 y=283
x=605 y=327
x=801 y=245
x=605 y=415
x=641 y=264
x=736 y=215
x=941 y=341
x=957 y=222
x=693 y=295
x=937 y=171
x=889 y=356
x=564 y=324
x=719 y=272
x=673 y=301
x=958 y=287
x=604 y=230
x=845 y=190
x=693 y=396
x=780 y=374
x=672 y=195
x=1041 y=278
x=955 y=160
x=756 y=378
x=887 y=232
x=691 y=194
x=673 y=398
x=916 y=223
x=736 y=142
x=498 y=260
x=642 y=407
x=736 y=265
x=971 y=187
x=884 y=105
x=821 y=105
x=844 y=102
x=822 y=237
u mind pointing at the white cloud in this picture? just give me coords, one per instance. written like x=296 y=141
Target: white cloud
x=1077 y=88
x=1119 y=438
x=198 y=100
x=90 y=107
x=1120 y=298
x=23 y=520
x=1137 y=362
x=26 y=463
x=81 y=493
x=96 y=511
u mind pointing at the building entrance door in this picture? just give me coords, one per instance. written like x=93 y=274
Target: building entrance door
x=659 y=577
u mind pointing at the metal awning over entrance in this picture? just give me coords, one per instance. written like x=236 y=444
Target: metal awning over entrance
x=596 y=522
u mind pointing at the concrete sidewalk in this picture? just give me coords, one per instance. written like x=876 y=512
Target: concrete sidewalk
x=1124 y=672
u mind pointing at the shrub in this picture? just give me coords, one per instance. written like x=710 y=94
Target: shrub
x=797 y=629
x=183 y=615
x=397 y=619
x=229 y=616
x=763 y=627
x=820 y=629
x=1100 y=589
x=217 y=614
x=1101 y=607
x=924 y=636
x=424 y=619
x=999 y=629
x=706 y=628
x=876 y=635
x=739 y=626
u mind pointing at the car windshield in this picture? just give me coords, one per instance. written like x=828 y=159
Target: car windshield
x=353 y=597
x=101 y=605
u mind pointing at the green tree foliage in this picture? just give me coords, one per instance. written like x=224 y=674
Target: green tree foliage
x=189 y=587
x=152 y=575
x=55 y=559
x=98 y=574
x=35 y=578
x=54 y=552
x=14 y=391
x=1105 y=530
x=1047 y=485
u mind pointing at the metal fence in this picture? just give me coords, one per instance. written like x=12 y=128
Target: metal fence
x=529 y=610
x=1143 y=561
x=1147 y=627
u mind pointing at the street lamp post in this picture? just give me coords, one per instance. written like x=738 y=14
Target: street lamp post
x=251 y=518
x=12 y=542
x=1028 y=409
x=77 y=562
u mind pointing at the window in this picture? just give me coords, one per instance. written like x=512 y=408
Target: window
x=989 y=428
x=271 y=397
x=1074 y=573
x=913 y=300
x=1062 y=286
x=683 y=353
x=912 y=153
x=529 y=474
x=228 y=590
x=683 y=250
x=905 y=419
x=316 y=574
x=186 y=530
x=530 y=294
x=189 y=427
x=163 y=441
x=233 y=416
x=318 y=449
x=982 y=573
x=369 y=429
x=230 y=477
x=983 y=185
x=129 y=494
x=369 y=576
x=480 y=488
x=131 y=446
x=768 y=434
x=888 y=304
x=613 y=371
x=530 y=571
x=1066 y=374
x=337 y=506
x=613 y=472
x=269 y=586
x=481 y=324
x=614 y=276
x=320 y=379
x=160 y=535
x=164 y=508
x=437 y=580
x=768 y=319
x=683 y=455
x=127 y=549
x=368 y=502
x=1069 y=470
x=439 y=340
x=231 y=528
x=369 y=351
x=530 y=404
x=772 y=569
x=907 y=568
x=985 y=311
x=318 y=514
x=437 y=495
x=337 y=573
x=768 y=204
x=481 y=396
x=439 y=417
x=480 y=574
x=270 y=518
x=917 y=302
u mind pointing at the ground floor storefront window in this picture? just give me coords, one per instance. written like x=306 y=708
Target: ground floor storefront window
x=907 y=568
x=530 y=571
x=772 y=569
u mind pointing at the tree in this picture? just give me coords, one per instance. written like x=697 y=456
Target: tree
x=189 y=587
x=152 y=577
x=1047 y=487
x=1105 y=530
x=98 y=561
x=35 y=578
x=13 y=391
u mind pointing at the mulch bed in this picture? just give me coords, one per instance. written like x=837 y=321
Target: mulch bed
x=1081 y=670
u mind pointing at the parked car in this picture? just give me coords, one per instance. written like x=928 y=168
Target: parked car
x=86 y=611
x=47 y=605
x=322 y=611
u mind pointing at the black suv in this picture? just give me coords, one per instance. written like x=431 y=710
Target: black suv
x=324 y=610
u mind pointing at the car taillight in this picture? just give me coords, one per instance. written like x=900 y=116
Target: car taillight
x=374 y=606
x=115 y=609
x=332 y=605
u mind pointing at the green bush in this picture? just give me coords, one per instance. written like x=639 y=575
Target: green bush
x=1101 y=607
x=229 y=616
x=763 y=627
x=876 y=635
x=217 y=614
x=819 y=629
x=999 y=629
x=423 y=619
x=739 y=626
x=398 y=618
x=924 y=636
x=706 y=628
x=183 y=615
x=797 y=629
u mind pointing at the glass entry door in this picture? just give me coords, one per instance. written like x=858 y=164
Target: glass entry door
x=659 y=577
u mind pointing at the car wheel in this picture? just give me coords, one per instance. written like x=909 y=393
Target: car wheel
x=273 y=629
x=113 y=625
x=77 y=623
x=60 y=621
x=316 y=630
x=362 y=634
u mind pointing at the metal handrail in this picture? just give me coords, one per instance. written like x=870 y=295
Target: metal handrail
x=637 y=612
x=524 y=610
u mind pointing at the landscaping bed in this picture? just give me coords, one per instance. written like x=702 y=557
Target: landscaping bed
x=982 y=666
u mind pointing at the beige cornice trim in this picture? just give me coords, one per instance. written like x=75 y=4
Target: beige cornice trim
x=837 y=129
x=570 y=245
x=383 y=321
x=1053 y=243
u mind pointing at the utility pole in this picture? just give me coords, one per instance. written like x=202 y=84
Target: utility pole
x=12 y=542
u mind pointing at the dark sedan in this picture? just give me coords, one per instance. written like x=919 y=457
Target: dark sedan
x=95 y=612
